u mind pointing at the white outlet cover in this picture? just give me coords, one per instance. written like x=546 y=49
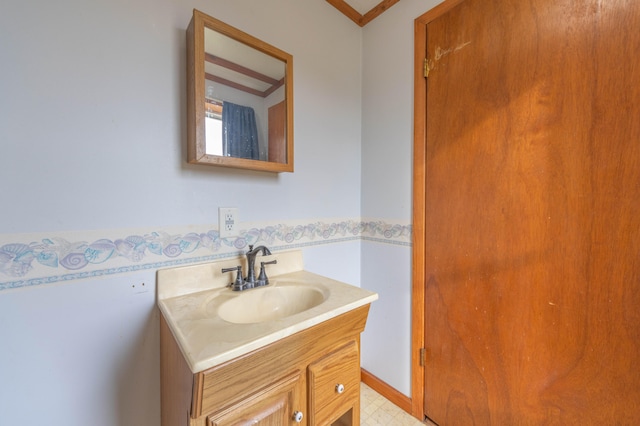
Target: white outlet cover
x=228 y=222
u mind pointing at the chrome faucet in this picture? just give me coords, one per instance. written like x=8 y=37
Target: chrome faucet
x=250 y=281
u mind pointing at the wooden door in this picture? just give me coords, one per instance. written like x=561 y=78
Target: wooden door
x=532 y=213
x=277 y=151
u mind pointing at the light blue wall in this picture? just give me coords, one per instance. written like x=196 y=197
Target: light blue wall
x=387 y=173
x=81 y=353
x=93 y=114
x=92 y=130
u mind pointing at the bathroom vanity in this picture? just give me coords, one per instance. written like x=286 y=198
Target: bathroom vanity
x=284 y=354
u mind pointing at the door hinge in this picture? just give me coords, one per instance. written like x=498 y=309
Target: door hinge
x=426 y=68
x=423 y=355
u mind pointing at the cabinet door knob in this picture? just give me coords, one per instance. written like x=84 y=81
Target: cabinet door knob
x=297 y=416
x=339 y=388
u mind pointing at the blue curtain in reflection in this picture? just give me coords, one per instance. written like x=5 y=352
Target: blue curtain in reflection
x=239 y=132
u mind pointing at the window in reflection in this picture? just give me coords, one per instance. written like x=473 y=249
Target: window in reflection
x=213 y=126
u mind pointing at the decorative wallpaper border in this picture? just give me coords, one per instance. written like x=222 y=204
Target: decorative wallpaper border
x=25 y=262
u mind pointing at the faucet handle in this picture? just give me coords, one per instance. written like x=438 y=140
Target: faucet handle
x=262 y=277
x=238 y=284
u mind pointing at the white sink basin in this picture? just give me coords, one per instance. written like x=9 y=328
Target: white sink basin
x=270 y=303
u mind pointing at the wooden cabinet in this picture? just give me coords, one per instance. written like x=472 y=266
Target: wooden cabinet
x=315 y=372
x=271 y=406
x=334 y=387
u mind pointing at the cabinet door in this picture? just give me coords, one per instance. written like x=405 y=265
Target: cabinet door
x=334 y=387
x=273 y=405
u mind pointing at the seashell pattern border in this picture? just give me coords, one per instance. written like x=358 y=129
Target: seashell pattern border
x=37 y=260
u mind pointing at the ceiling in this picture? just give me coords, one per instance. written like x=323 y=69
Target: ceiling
x=234 y=64
x=362 y=11
x=238 y=65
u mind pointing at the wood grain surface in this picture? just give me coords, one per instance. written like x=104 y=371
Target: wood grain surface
x=532 y=213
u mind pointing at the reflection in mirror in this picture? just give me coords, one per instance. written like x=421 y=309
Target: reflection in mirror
x=240 y=99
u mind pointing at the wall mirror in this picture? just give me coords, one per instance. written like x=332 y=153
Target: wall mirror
x=240 y=99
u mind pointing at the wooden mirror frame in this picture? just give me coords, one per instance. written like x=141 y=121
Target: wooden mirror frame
x=196 y=141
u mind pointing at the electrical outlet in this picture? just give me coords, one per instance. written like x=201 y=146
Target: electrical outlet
x=228 y=222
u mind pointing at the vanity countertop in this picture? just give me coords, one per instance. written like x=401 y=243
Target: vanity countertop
x=188 y=298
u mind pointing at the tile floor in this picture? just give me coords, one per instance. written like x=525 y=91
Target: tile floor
x=375 y=410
